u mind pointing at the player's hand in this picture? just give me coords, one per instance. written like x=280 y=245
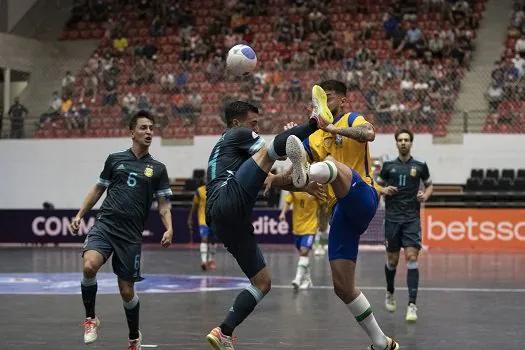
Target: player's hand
x=421 y=196
x=282 y=217
x=75 y=224
x=290 y=125
x=389 y=190
x=166 y=239
x=268 y=184
x=317 y=190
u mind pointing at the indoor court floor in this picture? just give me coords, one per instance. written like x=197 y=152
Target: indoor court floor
x=466 y=301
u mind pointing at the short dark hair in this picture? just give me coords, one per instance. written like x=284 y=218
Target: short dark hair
x=334 y=85
x=140 y=114
x=405 y=131
x=239 y=110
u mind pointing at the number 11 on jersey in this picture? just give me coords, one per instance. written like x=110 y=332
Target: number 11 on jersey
x=402 y=180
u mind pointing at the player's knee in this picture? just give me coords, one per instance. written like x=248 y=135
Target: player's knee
x=127 y=291
x=343 y=292
x=264 y=285
x=204 y=239
x=412 y=262
x=90 y=268
x=393 y=259
x=304 y=251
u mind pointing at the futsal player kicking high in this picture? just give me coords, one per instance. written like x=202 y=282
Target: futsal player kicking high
x=343 y=160
x=237 y=168
x=133 y=179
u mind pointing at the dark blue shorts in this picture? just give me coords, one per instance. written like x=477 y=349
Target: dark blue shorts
x=350 y=219
x=229 y=216
x=205 y=231
x=304 y=241
x=125 y=255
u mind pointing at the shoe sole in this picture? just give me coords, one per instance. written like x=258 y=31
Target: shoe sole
x=411 y=320
x=213 y=341
x=297 y=155
x=391 y=309
x=320 y=102
x=91 y=341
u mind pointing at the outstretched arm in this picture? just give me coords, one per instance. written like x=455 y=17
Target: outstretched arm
x=362 y=133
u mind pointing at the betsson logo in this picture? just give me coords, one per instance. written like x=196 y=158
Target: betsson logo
x=266 y=225
x=473 y=230
x=55 y=226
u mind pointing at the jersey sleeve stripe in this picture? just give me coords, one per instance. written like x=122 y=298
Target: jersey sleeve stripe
x=352 y=117
x=102 y=182
x=256 y=146
x=306 y=144
x=164 y=193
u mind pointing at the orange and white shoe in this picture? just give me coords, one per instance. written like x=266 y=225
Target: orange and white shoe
x=90 y=329
x=135 y=344
x=219 y=341
x=212 y=265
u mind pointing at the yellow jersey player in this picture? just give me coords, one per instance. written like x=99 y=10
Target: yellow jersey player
x=305 y=224
x=208 y=246
x=342 y=158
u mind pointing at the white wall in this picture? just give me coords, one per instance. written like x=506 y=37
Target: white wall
x=16 y=90
x=62 y=171
x=16 y=10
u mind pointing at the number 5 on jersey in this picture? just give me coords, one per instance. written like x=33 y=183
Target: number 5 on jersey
x=132 y=179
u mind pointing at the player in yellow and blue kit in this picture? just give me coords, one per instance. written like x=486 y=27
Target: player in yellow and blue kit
x=208 y=246
x=305 y=224
x=343 y=160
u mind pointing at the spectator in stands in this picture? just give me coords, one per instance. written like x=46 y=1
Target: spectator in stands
x=181 y=80
x=84 y=116
x=141 y=73
x=195 y=104
x=407 y=87
x=72 y=118
x=215 y=70
x=390 y=23
x=66 y=105
x=314 y=19
x=299 y=60
x=143 y=102
x=427 y=113
x=144 y=7
x=435 y=45
x=295 y=90
x=110 y=97
x=413 y=36
x=120 y=44
x=167 y=83
x=494 y=95
x=161 y=113
x=53 y=111
x=68 y=83
x=239 y=22
x=157 y=27
x=353 y=79
x=110 y=71
x=99 y=10
x=520 y=46
x=299 y=31
x=129 y=107
x=17 y=113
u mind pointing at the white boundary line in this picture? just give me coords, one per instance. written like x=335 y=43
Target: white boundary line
x=427 y=289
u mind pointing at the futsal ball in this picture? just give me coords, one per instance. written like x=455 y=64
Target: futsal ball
x=241 y=60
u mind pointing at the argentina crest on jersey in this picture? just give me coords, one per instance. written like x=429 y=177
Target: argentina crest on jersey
x=148 y=171
x=413 y=171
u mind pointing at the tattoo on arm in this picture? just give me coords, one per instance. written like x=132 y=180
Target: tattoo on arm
x=361 y=133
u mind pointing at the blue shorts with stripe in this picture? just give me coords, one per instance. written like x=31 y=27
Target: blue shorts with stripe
x=350 y=219
x=304 y=241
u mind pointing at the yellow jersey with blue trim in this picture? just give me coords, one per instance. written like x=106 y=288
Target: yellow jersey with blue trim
x=353 y=153
x=304 y=213
x=199 y=199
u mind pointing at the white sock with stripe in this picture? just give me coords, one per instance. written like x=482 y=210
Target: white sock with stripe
x=204 y=252
x=360 y=308
x=302 y=266
x=324 y=172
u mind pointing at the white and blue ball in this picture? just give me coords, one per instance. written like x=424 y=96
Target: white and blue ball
x=241 y=60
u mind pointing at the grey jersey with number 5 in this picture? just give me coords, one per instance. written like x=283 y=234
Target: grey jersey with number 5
x=403 y=205
x=132 y=184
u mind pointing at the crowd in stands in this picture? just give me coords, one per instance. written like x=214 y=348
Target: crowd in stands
x=402 y=61
x=506 y=92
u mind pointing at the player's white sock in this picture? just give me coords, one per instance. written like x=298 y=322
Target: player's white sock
x=360 y=308
x=302 y=266
x=323 y=172
x=204 y=252
x=212 y=249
